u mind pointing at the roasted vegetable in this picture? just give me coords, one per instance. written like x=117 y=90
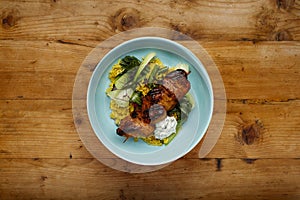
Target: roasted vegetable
x=122 y=81
x=121 y=96
x=183 y=66
x=136 y=97
x=163 y=70
x=153 y=73
x=144 y=63
x=129 y=62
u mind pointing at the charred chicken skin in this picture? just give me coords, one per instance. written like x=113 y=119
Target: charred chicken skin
x=163 y=98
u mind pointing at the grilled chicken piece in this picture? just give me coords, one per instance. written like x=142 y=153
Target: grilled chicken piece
x=173 y=88
x=161 y=96
x=134 y=127
x=157 y=113
x=155 y=105
x=176 y=82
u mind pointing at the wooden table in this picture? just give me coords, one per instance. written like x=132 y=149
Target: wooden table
x=255 y=45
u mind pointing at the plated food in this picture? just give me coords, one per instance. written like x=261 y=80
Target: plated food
x=149 y=100
x=110 y=100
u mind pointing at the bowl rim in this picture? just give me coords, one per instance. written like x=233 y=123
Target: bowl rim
x=200 y=67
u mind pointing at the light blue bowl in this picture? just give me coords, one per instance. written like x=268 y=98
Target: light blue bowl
x=170 y=53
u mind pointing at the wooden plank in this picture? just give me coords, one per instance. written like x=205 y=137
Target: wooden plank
x=38 y=69
x=259 y=70
x=41 y=56
x=208 y=179
x=275 y=129
x=264 y=70
x=97 y=20
x=38 y=128
x=42 y=45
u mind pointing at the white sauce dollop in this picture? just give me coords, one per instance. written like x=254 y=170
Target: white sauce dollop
x=165 y=128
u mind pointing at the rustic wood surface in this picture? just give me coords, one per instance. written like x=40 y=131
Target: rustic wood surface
x=255 y=45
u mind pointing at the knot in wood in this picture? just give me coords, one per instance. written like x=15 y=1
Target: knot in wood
x=10 y=18
x=282 y=36
x=180 y=27
x=126 y=19
x=186 y=32
x=285 y=4
x=249 y=133
x=266 y=20
x=43 y=178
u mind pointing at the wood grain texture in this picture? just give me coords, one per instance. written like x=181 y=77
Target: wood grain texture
x=255 y=45
x=37 y=128
x=199 y=179
x=206 y=20
x=264 y=70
